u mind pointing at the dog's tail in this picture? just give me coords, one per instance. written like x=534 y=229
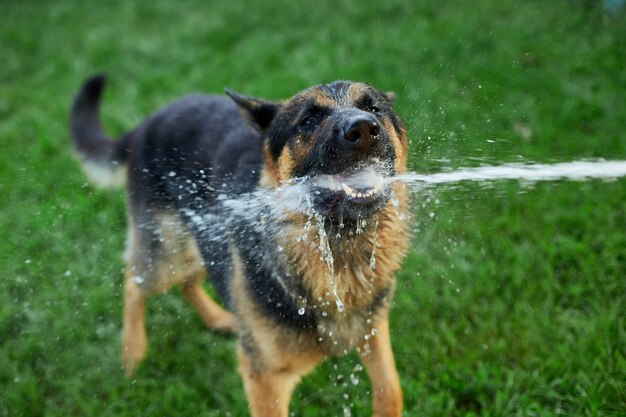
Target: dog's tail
x=103 y=159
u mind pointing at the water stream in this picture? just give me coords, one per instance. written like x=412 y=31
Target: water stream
x=576 y=171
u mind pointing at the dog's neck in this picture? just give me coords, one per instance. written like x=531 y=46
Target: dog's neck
x=350 y=263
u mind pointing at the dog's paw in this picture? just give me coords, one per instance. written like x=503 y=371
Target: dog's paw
x=132 y=355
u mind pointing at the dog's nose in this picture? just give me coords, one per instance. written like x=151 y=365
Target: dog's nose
x=361 y=131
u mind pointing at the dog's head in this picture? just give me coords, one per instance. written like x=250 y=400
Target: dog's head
x=343 y=137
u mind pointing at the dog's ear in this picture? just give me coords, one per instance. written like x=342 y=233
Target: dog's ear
x=258 y=112
x=390 y=96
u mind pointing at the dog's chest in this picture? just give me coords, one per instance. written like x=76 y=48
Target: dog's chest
x=340 y=334
x=341 y=310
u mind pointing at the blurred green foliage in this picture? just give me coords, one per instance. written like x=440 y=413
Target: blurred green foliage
x=511 y=302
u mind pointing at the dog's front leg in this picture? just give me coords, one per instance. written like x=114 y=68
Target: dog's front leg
x=268 y=390
x=378 y=360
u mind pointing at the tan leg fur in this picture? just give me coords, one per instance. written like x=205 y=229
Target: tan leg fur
x=381 y=368
x=268 y=390
x=211 y=313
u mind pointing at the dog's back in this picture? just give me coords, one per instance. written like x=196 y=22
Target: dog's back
x=176 y=163
x=184 y=140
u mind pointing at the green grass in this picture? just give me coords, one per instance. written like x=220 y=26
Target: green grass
x=512 y=301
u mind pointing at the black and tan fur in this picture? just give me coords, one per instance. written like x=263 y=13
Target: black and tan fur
x=182 y=160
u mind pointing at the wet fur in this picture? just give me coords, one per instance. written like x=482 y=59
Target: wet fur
x=231 y=147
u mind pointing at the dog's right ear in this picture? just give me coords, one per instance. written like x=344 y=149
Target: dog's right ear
x=258 y=112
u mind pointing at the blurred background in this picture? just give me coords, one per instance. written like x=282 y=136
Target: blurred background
x=511 y=301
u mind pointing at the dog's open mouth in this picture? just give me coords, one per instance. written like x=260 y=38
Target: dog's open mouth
x=355 y=193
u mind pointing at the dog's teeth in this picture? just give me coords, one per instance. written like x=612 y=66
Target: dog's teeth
x=350 y=192
x=347 y=189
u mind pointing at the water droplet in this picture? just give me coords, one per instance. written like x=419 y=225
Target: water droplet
x=301 y=311
x=359 y=226
x=326 y=255
x=354 y=379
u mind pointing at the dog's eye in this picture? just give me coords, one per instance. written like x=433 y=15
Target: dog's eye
x=374 y=109
x=308 y=121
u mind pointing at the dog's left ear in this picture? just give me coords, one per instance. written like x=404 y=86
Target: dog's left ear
x=390 y=96
x=258 y=112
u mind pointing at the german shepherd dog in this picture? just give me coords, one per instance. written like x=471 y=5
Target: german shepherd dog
x=298 y=285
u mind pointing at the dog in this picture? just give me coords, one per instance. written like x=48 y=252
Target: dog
x=298 y=285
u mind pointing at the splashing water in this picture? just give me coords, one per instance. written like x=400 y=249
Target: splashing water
x=259 y=209
x=295 y=196
x=327 y=256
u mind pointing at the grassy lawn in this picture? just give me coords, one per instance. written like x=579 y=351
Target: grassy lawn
x=512 y=301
